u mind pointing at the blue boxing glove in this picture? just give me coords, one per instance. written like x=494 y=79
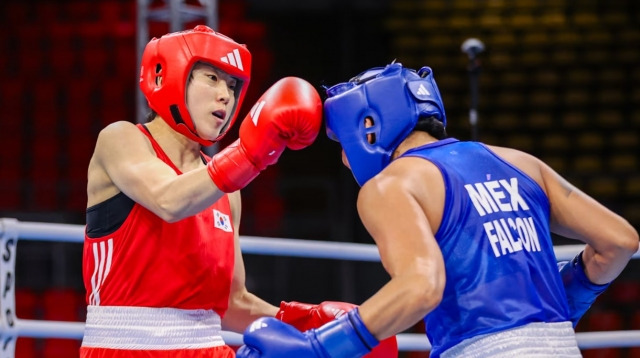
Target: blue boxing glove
x=345 y=337
x=581 y=292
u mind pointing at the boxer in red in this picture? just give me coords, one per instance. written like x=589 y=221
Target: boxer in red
x=162 y=264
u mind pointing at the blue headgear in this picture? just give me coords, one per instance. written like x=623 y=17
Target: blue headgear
x=394 y=98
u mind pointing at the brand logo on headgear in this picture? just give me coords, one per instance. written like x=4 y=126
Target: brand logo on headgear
x=233 y=58
x=423 y=91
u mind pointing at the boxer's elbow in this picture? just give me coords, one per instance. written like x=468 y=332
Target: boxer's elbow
x=173 y=205
x=172 y=209
x=629 y=246
x=426 y=292
x=168 y=210
x=631 y=241
x=432 y=294
x=623 y=245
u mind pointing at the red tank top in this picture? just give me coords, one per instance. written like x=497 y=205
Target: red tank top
x=152 y=263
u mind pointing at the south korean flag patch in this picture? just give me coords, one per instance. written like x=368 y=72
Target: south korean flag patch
x=222 y=221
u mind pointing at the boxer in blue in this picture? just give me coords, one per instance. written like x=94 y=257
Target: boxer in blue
x=464 y=231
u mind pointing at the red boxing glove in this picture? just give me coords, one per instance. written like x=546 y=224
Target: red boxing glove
x=288 y=114
x=305 y=316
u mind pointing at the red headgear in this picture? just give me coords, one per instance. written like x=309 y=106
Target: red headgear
x=172 y=58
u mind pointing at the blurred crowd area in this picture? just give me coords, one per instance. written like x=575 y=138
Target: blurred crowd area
x=558 y=79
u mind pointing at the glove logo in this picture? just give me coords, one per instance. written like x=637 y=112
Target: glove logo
x=337 y=312
x=221 y=221
x=255 y=112
x=256 y=325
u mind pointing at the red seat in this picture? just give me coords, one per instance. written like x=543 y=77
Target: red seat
x=158 y=28
x=10 y=170
x=26 y=348
x=10 y=198
x=44 y=192
x=30 y=57
x=625 y=292
x=80 y=149
x=27 y=305
x=95 y=57
x=635 y=325
x=76 y=199
x=268 y=212
x=63 y=61
x=44 y=173
x=602 y=353
x=46 y=109
x=12 y=145
x=19 y=11
x=115 y=113
x=47 y=13
x=13 y=108
x=61 y=348
x=77 y=11
x=114 y=98
x=62 y=304
x=606 y=320
x=110 y=12
x=125 y=56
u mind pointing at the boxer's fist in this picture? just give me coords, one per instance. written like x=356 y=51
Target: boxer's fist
x=305 y=316
x=345 y=337
x=581 y=293
x=288 y=114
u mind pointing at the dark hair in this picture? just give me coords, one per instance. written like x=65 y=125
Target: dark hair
x=151 y=115
x=431 y=125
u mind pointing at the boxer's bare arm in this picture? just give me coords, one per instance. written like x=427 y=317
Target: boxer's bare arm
x=393 y=207
x=244 y=306
x=610 y=239
x=124 y=160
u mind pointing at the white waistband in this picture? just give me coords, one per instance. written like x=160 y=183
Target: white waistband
x=119 y=327
x=537 y=339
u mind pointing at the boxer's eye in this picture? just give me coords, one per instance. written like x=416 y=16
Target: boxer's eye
x=158 y=75
x=368 y=123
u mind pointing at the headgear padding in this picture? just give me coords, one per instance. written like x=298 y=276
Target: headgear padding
x=172 y=57
x=394 y=98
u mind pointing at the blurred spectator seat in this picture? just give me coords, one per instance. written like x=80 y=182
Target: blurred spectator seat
x=62 y=304
x=27 y=305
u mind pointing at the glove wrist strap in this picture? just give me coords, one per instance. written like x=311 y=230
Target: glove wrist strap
x=580 y=291
x=577 y=266
x=231 y=169
x=345 y=337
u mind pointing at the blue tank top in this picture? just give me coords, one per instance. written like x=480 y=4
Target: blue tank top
x=500 y=266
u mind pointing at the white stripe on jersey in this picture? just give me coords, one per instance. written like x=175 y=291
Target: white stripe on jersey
x=102 y=257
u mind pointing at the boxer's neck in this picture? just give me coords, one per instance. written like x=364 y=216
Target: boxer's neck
x=414 y=140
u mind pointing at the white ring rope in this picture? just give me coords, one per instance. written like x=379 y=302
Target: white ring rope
x=12 y=327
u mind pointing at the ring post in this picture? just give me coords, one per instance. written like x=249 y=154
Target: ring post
x=8 y=246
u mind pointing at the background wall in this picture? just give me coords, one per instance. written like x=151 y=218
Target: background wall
x=559 y=80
